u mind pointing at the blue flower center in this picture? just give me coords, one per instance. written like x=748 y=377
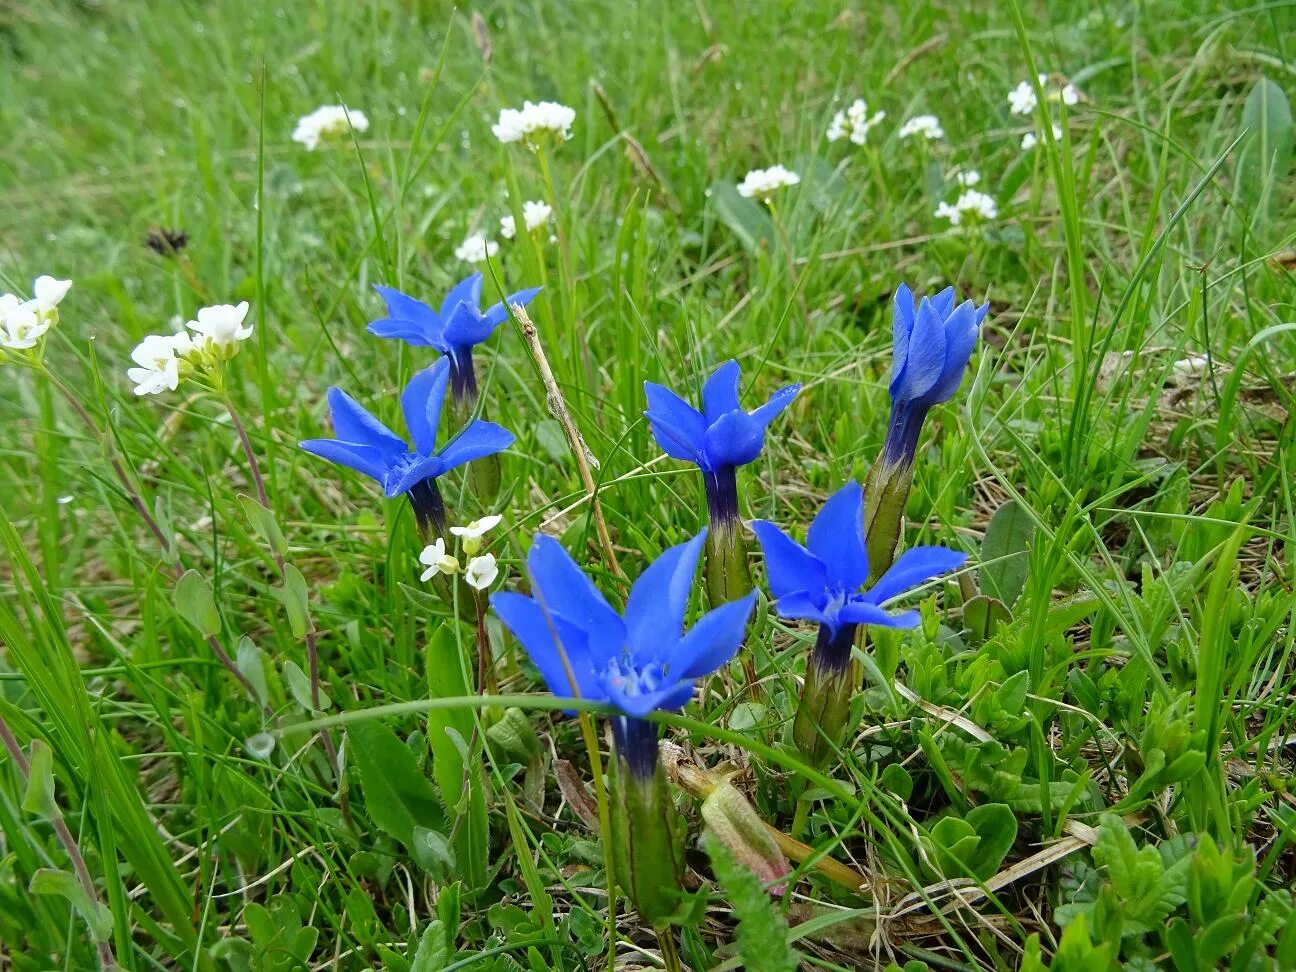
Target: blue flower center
x=626 y=678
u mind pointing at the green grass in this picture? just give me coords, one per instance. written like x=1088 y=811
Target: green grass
x=1146 y=671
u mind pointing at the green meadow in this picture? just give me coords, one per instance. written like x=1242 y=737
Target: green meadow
x=251 y=723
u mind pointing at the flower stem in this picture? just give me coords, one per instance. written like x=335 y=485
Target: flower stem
x=669 y=949
x=107 y=959
x=141 y=507
x=312 y=648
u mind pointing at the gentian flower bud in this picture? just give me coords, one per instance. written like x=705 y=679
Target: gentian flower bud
x=932 y=342
x=638 y=662
x=719 y=439
x=823 y=583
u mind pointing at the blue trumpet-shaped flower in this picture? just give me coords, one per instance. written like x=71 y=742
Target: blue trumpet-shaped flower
x=823 y=583
x=455 y=330
x=640 y=662
x=366 y=445
x=932 y=343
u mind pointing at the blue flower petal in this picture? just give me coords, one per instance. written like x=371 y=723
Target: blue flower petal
x=654 y=612
x=547 y=638
x=466 y=327
x=633 y=701
x=563 y=588
x=498 y=313
x=677 y=426
x=362 y=458
x=806 y=606
x=408 y=474
x=780 y=400
x=960 y=339
x=466 y=291
x=913 y=567
x=352 y=423
x=734 y=439
x=859 y=611
x=712 y=641
x=901 y=327
x=405 y=331
x=944 y=302
x=836 y=538
x=720 y=393
x=421 y=404
x=925 y=360
x=789 y=566
x=478 y=439
x=402 y=307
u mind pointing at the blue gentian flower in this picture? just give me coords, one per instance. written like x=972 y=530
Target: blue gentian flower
x=823 y=583
x=640 y=662
x=455 y=330
x=366 y=445
x=931 y=345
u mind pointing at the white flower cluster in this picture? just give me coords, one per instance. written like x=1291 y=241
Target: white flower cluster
x=532 y=122
x=326 y=123
x=164 y=359
x=1022 y=100
x=971 y=202
x=24 y=322
x=928 y=126
x=534 y=215
x=481 y=571
x=967 y=178
x=476 y=248
x=1031 y=139
x=763 y=183
x=854 y=123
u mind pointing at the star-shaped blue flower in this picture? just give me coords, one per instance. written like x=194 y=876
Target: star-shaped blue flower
x=366 y=445
x=722 y=435
x=823 y=583
x=638 y=663
x=456 y=329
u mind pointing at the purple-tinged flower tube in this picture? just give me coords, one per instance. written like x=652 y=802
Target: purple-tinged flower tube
x=825 y=582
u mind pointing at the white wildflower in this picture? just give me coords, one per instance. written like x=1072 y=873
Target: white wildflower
x=482 y=571
x=854 y=123
x=159 y=366
x=476 y=248
x=535 y=214
x=532 y=122
x=437 y=561
x=967 y=178
x=220 y=329
x=24 y=322
x=972 y=203
x=1031 y=139
x=49 y=292
x=1022 y=100
x=928 y=126
x=762 y=183
x=327 y=123
x=472 y=534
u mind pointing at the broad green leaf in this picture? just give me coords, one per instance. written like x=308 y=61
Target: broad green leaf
x=1005 y=553
x=248 y=660
x=398 y=797
x=65 y=885
x=194 y=601
x=300 y=687
x=748 y=219
x=432 y=851
x=433 y=952
x=38 y=799
x=264 y=523
x=296 y=601
x=1266 y=156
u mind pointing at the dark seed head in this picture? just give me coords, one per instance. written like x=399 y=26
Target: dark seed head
x=166 y=242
